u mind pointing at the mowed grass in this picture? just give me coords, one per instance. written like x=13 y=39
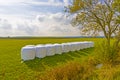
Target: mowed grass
x=12 y=68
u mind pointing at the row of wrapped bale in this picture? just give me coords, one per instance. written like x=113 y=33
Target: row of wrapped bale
x=29 y=52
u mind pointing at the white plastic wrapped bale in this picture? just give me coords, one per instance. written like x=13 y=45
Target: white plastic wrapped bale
x=77 y=46
x=28 y=53
x=86 y=44
x=58 y=48
x=65 y=47
x=50 y=49
x=91 y=44
x=40 y=51
x=74 y=46
x=81 y=45
x=69 y=47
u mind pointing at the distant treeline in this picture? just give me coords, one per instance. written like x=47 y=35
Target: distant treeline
x=26 y=37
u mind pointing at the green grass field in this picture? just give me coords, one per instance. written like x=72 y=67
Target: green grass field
x=12 y=68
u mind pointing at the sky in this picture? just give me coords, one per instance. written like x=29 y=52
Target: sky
x=35 y=18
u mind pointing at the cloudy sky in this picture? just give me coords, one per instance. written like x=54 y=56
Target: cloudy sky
x=35 y=18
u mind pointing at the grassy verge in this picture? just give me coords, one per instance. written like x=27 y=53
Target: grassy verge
x=80 y=62
x=11 y=67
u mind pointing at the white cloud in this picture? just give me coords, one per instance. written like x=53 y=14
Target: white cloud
x=4 y=24
x=66 y=2
x=50 y=3
x=23 y=18
x=10 y=2
x=5 y=28
x=13 y=2
x=56 y=24
x=42 y=25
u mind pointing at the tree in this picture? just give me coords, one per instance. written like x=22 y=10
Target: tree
x=96 y=16
x=116 y=4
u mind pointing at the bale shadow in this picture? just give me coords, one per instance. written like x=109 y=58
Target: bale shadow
x=74 y=54
x=51 y=61
x=85 y=52
x=47 y=62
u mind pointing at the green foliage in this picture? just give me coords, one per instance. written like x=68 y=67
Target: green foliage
x=71 y=71
x=106 y=54
x=12 y=68
x=96 y=16
x=88 y=69
x=108 y=72
x=77 y=4
x=116 y=5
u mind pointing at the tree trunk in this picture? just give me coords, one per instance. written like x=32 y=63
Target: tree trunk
x=109 y=42
x=108 y=39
